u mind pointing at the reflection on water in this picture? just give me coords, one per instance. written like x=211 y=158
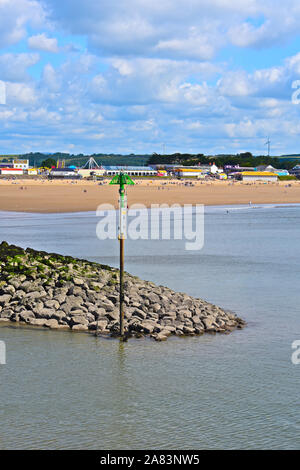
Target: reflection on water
x=65 y=390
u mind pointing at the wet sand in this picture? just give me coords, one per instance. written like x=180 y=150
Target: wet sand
x=69 y=196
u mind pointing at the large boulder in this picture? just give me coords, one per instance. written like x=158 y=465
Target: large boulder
x=4 y=299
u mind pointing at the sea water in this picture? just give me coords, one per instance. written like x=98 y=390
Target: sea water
x=63 y=390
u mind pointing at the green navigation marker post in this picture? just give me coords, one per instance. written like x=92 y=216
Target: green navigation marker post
x=122 y=179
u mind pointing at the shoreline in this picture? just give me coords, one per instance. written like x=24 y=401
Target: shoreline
x=67 y=196
x=211 y=206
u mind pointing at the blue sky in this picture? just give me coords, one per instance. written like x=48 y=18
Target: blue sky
x=203 y=76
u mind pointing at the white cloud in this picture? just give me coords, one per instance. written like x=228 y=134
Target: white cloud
x=235 y=84
x=142 y=81
x=149 y=73
x=15 y=15
x=51 y=78
x=41 y=42
x=21 y=94
x=178 y=29
x=13 y=67
x=97 y=136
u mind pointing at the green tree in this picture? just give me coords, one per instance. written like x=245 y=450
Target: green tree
x=48 y=163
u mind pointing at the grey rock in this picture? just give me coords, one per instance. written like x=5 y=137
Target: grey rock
x=107 y=305
x=15 y=282
x=113 y=315
x=38 y=307
x=91 y=307
x=135 y=304
x=37 y=321
x=185 y=313
x=15 y=317
x=148 y=326
x=96 y=285
x=156 y=307
x=208 y=323
x=113 y=298
x=153 y=298
x=33 y=295
x=170 y=328
x=198 y=330
x=59 y=315
x=52 y=323
x=98 y=325
x=77 y=291
x=71 y=302
x=160 y=336
x=80 y=327
x=60 y=298
x=53 y=304
x=19 y=294
x=78 y=320
x=6 y=313
x=139 y=313
x=167 y=321
x=4 y=299
x=10 y=289
x=27 y=286
x=45 y=313
x=77 y=311
x=60 y=291
x=187 y=330
x=99 y=313
x=26 y=316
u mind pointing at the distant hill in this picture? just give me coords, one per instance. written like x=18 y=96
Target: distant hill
x=242 y=159
x=35 y=159
x=292 y=157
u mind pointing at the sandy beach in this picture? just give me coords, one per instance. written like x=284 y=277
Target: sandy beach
x=74 y=196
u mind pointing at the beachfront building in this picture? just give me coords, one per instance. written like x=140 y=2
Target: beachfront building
x=87 y=172
x=295 y=171
x=196 y=172
x=6 y=165
x=162 y=173
x=272 y=170
x=264 y=176
x=199 y=171
x=14 y=167
x=63 y=173
x=130 y=170
x=222 y=176
x=31 y=172
x=232 y=169
x=11 y=171
x=21 y=164
x=214 y=169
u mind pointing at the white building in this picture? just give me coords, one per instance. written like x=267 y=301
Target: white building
x=86 y=172
x=264 y=176
x=21 y=164
x=63 y=173
x=190 y=171
x=31 y=171
x=130 y=170
x=11 y=171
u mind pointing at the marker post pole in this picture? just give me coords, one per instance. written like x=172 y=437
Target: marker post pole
x=122 y=179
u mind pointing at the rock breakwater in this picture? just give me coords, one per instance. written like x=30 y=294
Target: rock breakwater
x=61 y=292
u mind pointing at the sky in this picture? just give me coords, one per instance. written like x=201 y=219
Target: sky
x=141 y=76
